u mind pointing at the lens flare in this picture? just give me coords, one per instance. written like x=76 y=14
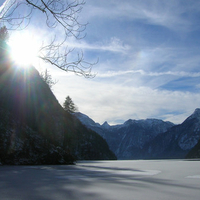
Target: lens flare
x=24 y=49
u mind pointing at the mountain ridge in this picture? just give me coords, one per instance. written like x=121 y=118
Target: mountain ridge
x=122 y=139
x=179 y=140
x=151 y=138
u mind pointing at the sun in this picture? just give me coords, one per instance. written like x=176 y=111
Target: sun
x=24 y=49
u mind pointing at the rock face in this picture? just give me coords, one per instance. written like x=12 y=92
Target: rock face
x=178 y=141
x=34 y=128
x=151 y=138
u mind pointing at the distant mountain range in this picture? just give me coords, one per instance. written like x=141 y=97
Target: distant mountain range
x=150 y=138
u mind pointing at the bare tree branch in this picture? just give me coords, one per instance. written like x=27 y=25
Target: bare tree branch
x=54 y=56
x=59 y=15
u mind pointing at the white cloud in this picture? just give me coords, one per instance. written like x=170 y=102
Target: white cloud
x=115 y=102
x=113 y=45
x=142 y=72
x=4 y=8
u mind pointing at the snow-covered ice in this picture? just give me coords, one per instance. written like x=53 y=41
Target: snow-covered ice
x=103 y=180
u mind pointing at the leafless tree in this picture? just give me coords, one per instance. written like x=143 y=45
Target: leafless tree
x=47 y=78
x=59 y=15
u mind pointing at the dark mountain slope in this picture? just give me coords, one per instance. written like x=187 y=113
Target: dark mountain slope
x=195 y=152
x=127 y=140
x=178 y=141
x=151 y=138
x=34 y=128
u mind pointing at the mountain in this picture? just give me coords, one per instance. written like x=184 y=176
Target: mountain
x=194 y=152
x=127 y=140
x=150 y=138
x=178 y=141
x=34 y=128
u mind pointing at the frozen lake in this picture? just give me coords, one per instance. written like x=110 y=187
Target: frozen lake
x=103 y=180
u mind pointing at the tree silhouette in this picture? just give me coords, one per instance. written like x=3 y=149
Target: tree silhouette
x=47 y=78
x=4 y=34
x=3 y=38
x=69 y=105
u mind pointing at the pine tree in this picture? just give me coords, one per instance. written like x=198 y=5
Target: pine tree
x=69 y=105
x=4 y=34
x=4 y=49
x=3 y=39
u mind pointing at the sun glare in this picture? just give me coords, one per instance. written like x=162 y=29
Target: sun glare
x=24 y=49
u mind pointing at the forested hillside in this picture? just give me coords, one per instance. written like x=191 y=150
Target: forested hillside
x=34 y=128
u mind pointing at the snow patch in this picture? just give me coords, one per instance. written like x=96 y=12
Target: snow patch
x=194 y=176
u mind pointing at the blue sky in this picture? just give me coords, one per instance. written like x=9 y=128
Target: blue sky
x=149 y=61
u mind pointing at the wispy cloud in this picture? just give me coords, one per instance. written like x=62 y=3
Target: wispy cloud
x=113 y=45
x=158 y=12
x=4 y=8
x=142 y=72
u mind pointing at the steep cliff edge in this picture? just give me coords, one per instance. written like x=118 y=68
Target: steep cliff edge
x=34 y=128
